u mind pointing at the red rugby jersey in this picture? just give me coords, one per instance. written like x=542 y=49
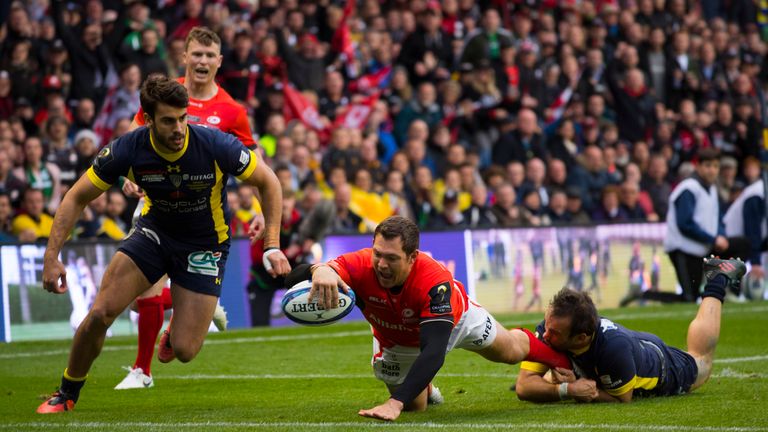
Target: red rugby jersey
x=219 y=112
x=430 y=292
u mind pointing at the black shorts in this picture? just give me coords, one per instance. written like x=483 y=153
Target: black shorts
x=681 y=373
x=193 y=267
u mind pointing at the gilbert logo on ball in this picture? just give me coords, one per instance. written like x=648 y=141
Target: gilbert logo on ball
x=297 y=306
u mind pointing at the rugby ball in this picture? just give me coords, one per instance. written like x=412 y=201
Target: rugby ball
x=297 y=307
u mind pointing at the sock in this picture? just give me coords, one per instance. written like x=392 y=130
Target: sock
x=540 y=352
x=71 y=386
x=716 y=287
x=150 y=323
x=166 y=296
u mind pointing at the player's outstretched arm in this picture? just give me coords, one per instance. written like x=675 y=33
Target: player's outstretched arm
x=533 y=387
x=271 y=193
x=83 y=192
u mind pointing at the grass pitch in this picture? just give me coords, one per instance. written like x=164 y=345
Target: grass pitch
x=316 y=379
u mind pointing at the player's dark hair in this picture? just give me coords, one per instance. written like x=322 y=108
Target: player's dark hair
x=202 y=35
x=158 y=88
x=578 y=306
x=398 y=226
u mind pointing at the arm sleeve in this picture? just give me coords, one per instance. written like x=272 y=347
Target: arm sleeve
x=684 y=207
x=299 y=273
x=433 y=340
x=753 y=214
x=108 y=166
x=616 y=369
x=233 y=157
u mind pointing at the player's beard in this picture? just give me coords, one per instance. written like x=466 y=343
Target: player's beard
x=172 y=142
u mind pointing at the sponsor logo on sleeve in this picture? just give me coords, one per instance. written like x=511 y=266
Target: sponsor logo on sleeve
x=245 y=158
x=104 y=157
x=440 y=299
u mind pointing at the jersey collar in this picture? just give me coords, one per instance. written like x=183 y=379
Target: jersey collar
x=170 y=156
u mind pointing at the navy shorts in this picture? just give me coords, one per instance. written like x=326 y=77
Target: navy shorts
x=681 y=373
x=193 y=267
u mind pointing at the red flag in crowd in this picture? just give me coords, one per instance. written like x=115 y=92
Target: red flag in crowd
x=298 y=107
x=373 y=81
x=101 y=125
x=342 y=41
x=355 y=115
x=557 y=108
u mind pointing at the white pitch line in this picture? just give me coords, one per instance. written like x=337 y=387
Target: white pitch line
x=333 y=335
x=381 y=425
x=726 y=373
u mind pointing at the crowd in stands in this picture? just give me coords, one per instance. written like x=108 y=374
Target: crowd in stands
x=474 y=112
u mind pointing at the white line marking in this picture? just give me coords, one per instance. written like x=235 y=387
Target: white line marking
x=380 y=425
x=334 y=335
x=726 y=373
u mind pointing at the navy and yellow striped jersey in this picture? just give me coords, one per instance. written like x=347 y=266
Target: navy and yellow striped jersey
x=185 y=195
x=621 y=360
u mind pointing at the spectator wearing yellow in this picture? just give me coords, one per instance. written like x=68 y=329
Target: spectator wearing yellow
x=33 y=223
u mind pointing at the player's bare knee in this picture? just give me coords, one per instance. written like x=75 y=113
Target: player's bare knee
x=101 y=316
x=185 y=354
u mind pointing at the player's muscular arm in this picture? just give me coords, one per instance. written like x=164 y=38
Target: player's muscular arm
x=433 y=337
x=604 y=396
x=270 y=190
x=83 y=192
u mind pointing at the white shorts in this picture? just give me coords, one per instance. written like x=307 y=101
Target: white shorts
x=476 y=330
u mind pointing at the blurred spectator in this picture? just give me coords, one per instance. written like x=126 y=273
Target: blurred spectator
x=90 y=57
x=557 y=211
x=535 y=175
x=23 y=68
x=505 y=210
x=332 y=97
x=590 y=176
x=148 y=57
x=86 y=147
x=629 y=193
x=609 y=209
x=451 y=215
x=10 y=185
x=6 y=96
x=32 y=223
x=635 y=115
x=729 y=168
x=61 y=152
x=396 y=194
x=112 y=226
x=422 y=107
x=85 y=114
x=345 y=221
x=424 y=201
x=487 y=41
x=6 y=218
x=262 y=286
x=479 y=213
x=522 y=143
x=39 y=174
x=576 y=213
x=427 y=52
x=306 y=68
x=533 y=213
x=240 y=70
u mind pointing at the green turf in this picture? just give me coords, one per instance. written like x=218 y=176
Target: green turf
x=310 y=379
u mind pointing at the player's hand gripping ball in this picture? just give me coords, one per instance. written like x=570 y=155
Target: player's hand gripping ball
x=299 y=309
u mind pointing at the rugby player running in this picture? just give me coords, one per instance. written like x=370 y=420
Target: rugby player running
x=182 y=232
x=210 y=106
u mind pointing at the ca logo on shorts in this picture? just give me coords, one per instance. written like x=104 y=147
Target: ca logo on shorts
x=204 y=263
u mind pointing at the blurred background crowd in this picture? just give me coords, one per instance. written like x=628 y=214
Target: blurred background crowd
x=458 y=113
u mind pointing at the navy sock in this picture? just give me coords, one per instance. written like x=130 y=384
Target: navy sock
x=716 y=287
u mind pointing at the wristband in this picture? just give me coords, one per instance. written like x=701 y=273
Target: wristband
x=264 y=258
x=562 y=391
